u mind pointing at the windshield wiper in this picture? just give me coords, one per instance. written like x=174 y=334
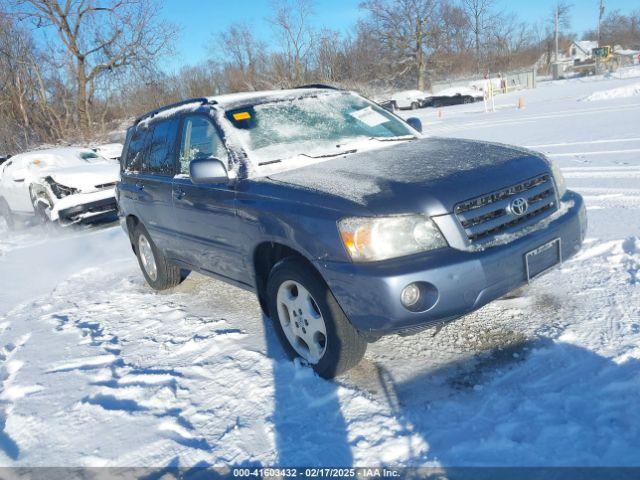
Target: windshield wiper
x=262 y=164
x=328 y=155
x=399 y=138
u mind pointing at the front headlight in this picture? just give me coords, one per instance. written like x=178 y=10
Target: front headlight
x=381 y=238
x=561 y=185
x=59 y=190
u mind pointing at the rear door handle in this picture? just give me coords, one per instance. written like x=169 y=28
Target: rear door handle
x=179 y=194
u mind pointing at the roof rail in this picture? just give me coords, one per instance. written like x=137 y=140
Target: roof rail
x=152 y=113
x=318 y=85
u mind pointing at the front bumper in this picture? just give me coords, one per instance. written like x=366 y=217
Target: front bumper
x=464 y=281
x=90 y=211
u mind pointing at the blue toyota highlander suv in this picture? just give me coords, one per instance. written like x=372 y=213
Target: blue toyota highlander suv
x=344 y=219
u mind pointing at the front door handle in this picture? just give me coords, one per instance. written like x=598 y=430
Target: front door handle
x=179 y=194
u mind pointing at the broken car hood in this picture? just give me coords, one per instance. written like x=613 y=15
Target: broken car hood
x=87 y=178
x=428 y=175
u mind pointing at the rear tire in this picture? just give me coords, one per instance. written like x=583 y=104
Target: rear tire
x=293 y=283
x=157 y=271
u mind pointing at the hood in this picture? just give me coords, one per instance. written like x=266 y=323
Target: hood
x=429 y=175
x=87 y=178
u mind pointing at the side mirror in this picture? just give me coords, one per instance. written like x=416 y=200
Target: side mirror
x=415 y=123
x=208 y=170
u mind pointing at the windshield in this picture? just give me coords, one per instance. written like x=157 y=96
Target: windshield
x=315 y=126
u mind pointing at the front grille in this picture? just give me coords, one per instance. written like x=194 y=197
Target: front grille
x=484 y=217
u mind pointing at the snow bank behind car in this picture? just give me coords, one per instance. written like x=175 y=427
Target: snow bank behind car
x=622 y=92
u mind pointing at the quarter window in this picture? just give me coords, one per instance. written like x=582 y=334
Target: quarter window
x=200 y=139
x=135 y=151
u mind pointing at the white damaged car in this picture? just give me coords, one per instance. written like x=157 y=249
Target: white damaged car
x=58 y=185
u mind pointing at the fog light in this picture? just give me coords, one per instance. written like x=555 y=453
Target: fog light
x=410 y=295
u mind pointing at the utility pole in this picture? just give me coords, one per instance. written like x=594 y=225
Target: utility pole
x=600 y=16
x=557 y=31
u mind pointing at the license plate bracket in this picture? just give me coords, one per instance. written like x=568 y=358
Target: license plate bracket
x=543 y=258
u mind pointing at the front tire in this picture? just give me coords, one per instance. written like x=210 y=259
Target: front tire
x=415 y=106
x=309 y=321
x=157 y=271
x=41 y=208
x=6 y=214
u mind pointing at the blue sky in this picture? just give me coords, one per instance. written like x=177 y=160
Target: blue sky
x=201 y=20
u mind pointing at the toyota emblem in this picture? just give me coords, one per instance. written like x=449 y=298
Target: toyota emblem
x=519 y=206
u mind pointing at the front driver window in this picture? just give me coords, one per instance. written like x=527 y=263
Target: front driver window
x=200 y=139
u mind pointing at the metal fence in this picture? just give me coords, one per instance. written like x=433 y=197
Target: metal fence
x=507 y=82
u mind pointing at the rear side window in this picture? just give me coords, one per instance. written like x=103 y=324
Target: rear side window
x=135 y=151
x=200 y=139
x=161 y=151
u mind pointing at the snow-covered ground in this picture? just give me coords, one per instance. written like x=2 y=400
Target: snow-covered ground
x=97 y=369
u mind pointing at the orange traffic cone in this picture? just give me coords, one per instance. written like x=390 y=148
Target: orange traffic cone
x=521 y=103
x=440 y=114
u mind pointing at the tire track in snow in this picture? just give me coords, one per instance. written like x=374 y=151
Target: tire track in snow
x=200 y=390
x=119 y=385
x=10 y=393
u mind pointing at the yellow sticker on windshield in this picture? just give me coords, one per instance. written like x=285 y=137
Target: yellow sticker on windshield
x=241 y=116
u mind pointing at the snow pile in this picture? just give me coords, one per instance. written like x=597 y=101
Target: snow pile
x=621 y=92
x=630 y=72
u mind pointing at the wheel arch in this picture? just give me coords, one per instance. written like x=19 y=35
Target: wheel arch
x=131 y=221
x=265 y=256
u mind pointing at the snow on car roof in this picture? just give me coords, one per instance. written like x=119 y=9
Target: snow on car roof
x=63 y=155
x=233 y=100
x=230 y=101
x=453 y=91
x=417 y=94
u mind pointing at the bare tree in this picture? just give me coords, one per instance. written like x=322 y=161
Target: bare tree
x=481 y=19
x=32 y=97
x=98 y=38
x=450 y=40
x=291 y=24
x=561 y=20
x=244 y=58
x=618 y=28
x=402 y=30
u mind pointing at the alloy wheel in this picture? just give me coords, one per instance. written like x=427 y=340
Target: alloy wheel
x=302 y=321
x=147 y=258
